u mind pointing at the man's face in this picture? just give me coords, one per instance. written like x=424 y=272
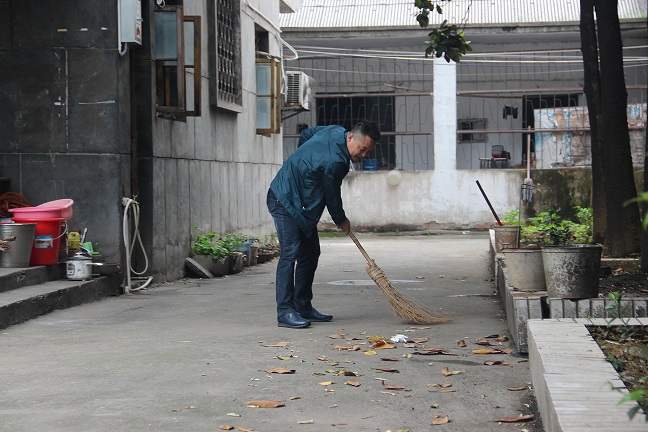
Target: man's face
x=359 y=146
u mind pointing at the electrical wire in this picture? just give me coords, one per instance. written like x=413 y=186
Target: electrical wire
x=131 y=208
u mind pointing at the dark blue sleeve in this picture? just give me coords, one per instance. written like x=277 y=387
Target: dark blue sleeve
x=306 y=134
x=333 y=176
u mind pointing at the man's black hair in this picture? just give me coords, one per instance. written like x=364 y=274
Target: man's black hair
x=367 y=128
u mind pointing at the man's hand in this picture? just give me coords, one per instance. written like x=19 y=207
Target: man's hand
x=345 y=226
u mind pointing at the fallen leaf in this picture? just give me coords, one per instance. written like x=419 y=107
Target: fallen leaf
x=501 y=339
x=434 y=406
x=243 y=429
x=391 y=359
x=420 y=340
x=233 y=415
x=447 y=372
x=326 y=383
x=226 y=427
x=507 y=351
x=320 y=358
x=517 y=388
x=487 y=351
x=278 y=344
x=493 y=363
x=441 y=421
x=433 y=351
x=347 y=347
x=461 y=343
x=409 y=345
x=306 y=422
x=295 y=397
x=420 y=277
x=393 y=387
x=484 y=342
x=386 y=369
x=182 y=409
x=279 y=357
x=492 y=336
x=337 y=336
x=446 y=391
x=280 y=370
x=384 y=346
x=521 y=418
x=370 y=352
x=352 y=383
x=264 y=404
x=445 y=385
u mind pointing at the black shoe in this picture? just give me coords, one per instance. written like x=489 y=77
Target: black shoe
x=292 y=320
x=314 y=315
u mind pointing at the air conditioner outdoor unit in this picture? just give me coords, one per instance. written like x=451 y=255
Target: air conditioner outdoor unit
x=298 y=89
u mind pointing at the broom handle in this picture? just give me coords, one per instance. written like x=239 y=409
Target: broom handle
x=364 y=253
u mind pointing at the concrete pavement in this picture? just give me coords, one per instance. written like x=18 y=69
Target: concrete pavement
x=187 y=356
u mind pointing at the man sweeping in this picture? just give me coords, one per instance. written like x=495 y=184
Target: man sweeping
x=310 y=180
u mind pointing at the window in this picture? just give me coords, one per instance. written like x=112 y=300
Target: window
x=469 y=125
x=347 y=111
x=224 y=49
x=268 y=87
x=177 y=63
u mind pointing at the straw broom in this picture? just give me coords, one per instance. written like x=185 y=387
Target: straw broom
x=403 y=307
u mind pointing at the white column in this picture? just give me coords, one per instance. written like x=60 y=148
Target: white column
x=445 y=115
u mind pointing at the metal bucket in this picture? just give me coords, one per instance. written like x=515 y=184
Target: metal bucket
x=20 y=250
x=506 y=237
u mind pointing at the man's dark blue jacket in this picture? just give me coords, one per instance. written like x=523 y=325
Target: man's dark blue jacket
x=312 y=176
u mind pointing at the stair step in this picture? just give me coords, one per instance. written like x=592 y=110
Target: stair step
x=12 y=278
x=26 y=302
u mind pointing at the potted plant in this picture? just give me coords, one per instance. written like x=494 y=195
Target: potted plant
x=214 y=256
x=571 y=262
x=524 y=263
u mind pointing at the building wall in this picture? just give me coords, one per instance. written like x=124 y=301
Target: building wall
x=210 y=173
x=76 y=113
x=64 y=104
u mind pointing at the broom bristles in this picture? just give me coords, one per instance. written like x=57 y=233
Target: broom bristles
x=403 y=307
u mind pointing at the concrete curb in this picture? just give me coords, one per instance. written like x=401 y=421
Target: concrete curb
x=576 y=389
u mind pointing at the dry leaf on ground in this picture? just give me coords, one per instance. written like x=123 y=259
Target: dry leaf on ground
x=440 y=421
x=518 y=388
x=185 y=408
x=264 y=404
x=393 y=387
x=390 y=359
x=447 y=372
x=487 y=351
x=352 y=383
x=226 y=427
x=280 y=370
x=387 y=369
x=461 y=343
x=278 y=344
x=306 y=422
x=521 y=418
x=347 y=347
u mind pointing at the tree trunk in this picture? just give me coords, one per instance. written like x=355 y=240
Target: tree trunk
x=622 y=234
x=592 y=89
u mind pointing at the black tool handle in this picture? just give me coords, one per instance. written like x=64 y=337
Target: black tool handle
x=489 y=204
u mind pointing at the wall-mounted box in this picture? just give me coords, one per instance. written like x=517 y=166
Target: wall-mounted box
x=130 y=14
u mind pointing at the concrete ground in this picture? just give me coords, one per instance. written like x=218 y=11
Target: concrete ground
x=190 y=355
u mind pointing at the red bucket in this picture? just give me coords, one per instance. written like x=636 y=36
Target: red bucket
x=45 y=250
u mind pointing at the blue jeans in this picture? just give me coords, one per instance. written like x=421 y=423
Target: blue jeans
x=297 y=261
